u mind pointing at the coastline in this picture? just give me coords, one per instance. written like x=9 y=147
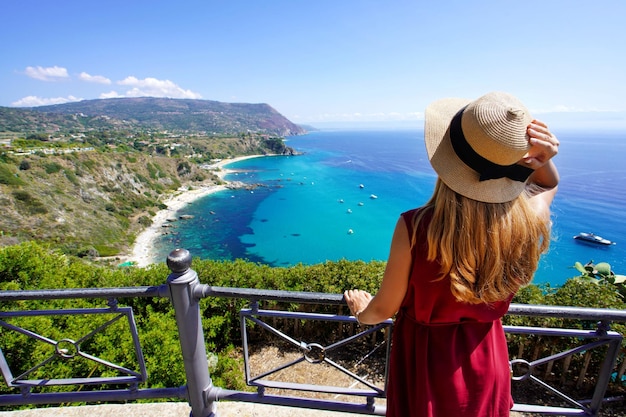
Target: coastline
x=142 y=251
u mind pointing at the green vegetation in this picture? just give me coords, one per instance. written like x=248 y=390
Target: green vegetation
x=8 y=176
x=34 y=266
x=93 y=173
x=31 y=265
x=100 y=188
x=146 y=114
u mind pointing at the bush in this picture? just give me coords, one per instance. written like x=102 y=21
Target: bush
x=52 y=168
x=71 y=177
x=105 y=250
x=145 y=221
x=24 y=165
x=87 y=252
x=29 y=203
x=8 y=177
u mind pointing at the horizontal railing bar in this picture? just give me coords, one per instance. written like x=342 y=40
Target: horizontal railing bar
x=93 y=396
x=581 y=313
x=67 y=293
x=547 y=410
x=312 y=404
x=561 y=332
x=66 y=312
x=328 y=389
x=203 y=290
x=296 y=315
x=78 y=381
x=304 y=315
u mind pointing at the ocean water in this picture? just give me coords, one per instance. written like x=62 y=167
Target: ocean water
x=342 y=198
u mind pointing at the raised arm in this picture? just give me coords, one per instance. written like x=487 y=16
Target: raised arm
x=544 y=146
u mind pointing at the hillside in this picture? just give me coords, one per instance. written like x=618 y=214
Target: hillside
x=163 y=114
x=93 y=200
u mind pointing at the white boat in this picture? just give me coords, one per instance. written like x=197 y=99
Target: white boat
x=591 y=238
x=373 y=196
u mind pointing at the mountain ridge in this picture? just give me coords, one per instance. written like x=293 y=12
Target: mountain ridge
x=207 y=117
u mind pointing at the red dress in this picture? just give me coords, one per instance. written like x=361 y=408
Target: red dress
x=448 y=359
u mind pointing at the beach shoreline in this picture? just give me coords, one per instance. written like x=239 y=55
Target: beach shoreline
x=142 y=252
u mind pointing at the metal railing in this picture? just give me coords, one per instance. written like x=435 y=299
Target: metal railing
x=185 y=291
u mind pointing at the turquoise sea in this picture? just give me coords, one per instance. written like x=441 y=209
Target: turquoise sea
x=341 y=198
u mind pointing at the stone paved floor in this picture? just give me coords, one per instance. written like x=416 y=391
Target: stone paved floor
x=224 y=409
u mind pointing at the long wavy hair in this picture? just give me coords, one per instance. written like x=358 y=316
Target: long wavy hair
x=489 y=250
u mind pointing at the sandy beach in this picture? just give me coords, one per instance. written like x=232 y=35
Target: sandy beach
x=142 y=252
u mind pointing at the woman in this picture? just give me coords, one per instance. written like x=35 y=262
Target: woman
x=456 y=263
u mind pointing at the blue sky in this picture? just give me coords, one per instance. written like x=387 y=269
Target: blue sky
x=321 y=62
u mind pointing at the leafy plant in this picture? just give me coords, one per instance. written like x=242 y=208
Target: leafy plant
x=601 y=273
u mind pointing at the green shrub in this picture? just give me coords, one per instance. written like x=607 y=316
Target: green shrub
x=53 y=167
x=29 y=204
x=105 y=250
x=8 y=176
x=71 y=177
x=153 y=171
x=89 y=164
x=145 y=221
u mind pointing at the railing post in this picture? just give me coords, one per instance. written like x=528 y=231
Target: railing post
x=182 y=282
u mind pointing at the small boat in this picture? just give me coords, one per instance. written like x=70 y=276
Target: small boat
x=350 y=231
x=361 y=186
x=373 y=196
x=591 y=238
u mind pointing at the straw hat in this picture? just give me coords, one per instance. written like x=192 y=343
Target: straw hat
x=474 y=145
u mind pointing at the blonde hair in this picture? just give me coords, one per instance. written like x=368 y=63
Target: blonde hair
x=489 y=250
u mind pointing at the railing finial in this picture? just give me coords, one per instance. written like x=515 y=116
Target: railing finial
x=179 y=260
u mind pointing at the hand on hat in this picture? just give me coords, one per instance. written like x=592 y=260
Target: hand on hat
x=544 y=145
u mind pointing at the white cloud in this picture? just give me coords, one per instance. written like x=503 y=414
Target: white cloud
x=151 y=87
x=111 y=94
x=94 y=78
x=47 y=74
x=34 y=101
